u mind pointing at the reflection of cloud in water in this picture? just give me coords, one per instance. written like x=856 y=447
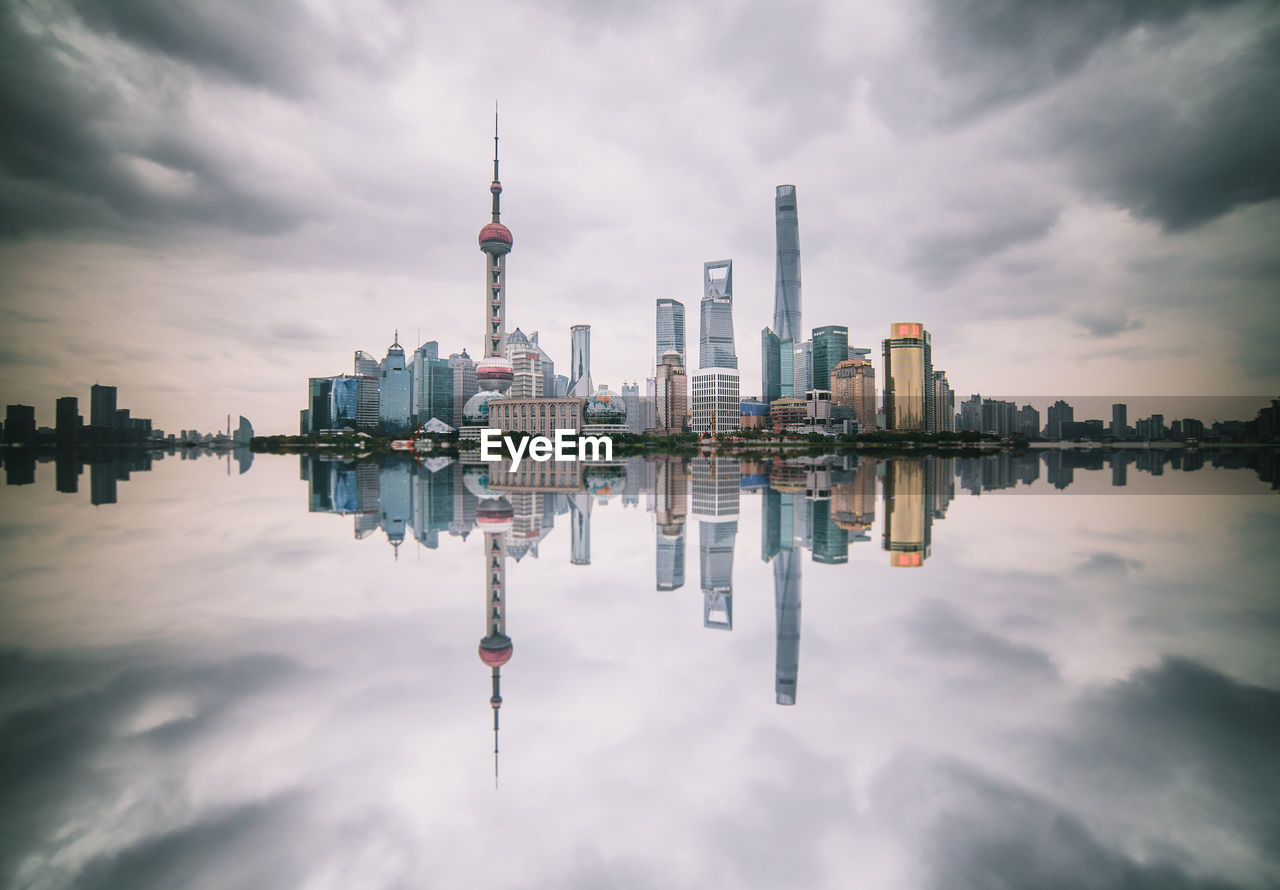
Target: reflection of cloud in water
x=311 y=710
x=1110 y=564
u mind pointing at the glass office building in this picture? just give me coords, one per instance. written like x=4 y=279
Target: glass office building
x=830 y=347
x=715 y=336
x=908 y=378
x=670 y=330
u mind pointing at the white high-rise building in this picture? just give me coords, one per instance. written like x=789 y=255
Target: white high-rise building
x=714 y=397
x=528 y=380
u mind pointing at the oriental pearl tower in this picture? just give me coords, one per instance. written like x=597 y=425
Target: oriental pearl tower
x=493 y=372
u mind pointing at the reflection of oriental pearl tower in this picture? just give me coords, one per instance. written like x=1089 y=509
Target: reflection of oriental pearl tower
x=494 y=372
x=493 y=515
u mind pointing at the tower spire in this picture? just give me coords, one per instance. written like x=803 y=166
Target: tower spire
x=497 y=700
x=496 y=187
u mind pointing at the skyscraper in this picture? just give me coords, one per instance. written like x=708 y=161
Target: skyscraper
x=1059 y=413
x=493 y=372
x=671 y=397
x=432 y=385
x=464 y=382
x=580 y=362
x=715 y=335
x=631 y=398
x=319 y=404
x=830 y=347
x=548 y=367
x=67 y=419
x=803 y=368
x=528 y=380
x=908 y=378
x=770 y=366
x=395 y=390
x=944 y=404
x=102 y=406
x=786 y=295
x=853 y=385
x=670 y=329
x=366 y=372
x=1119 y=420
x=715 y=400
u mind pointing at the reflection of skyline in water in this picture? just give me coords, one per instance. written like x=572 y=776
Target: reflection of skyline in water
x=107 y=466
x=823 y=505
x=350 y=679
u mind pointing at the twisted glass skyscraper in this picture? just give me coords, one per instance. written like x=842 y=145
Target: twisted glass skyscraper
x=779 y=344
x=786 y=294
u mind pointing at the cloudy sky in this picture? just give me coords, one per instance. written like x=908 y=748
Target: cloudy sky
x=206 y=203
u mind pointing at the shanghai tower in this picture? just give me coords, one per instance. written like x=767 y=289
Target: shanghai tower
x=786 y=295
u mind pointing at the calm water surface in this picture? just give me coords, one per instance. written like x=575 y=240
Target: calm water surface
x=824 y=674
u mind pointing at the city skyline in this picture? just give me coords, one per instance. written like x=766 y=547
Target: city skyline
x=246 y=225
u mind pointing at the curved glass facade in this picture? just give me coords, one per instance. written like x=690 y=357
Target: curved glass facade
x=786 y=298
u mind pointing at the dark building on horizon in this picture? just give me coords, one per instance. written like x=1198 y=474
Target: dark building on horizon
x=1059 y=413
x=67 y=419
x=102 y=406
x=20 y=424
x=1119 y=420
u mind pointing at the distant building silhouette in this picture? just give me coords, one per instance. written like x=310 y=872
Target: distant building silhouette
x=1059 y=413
x=20 y=424
x=1119 y=421
x=67 y=419
x=102 y=406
